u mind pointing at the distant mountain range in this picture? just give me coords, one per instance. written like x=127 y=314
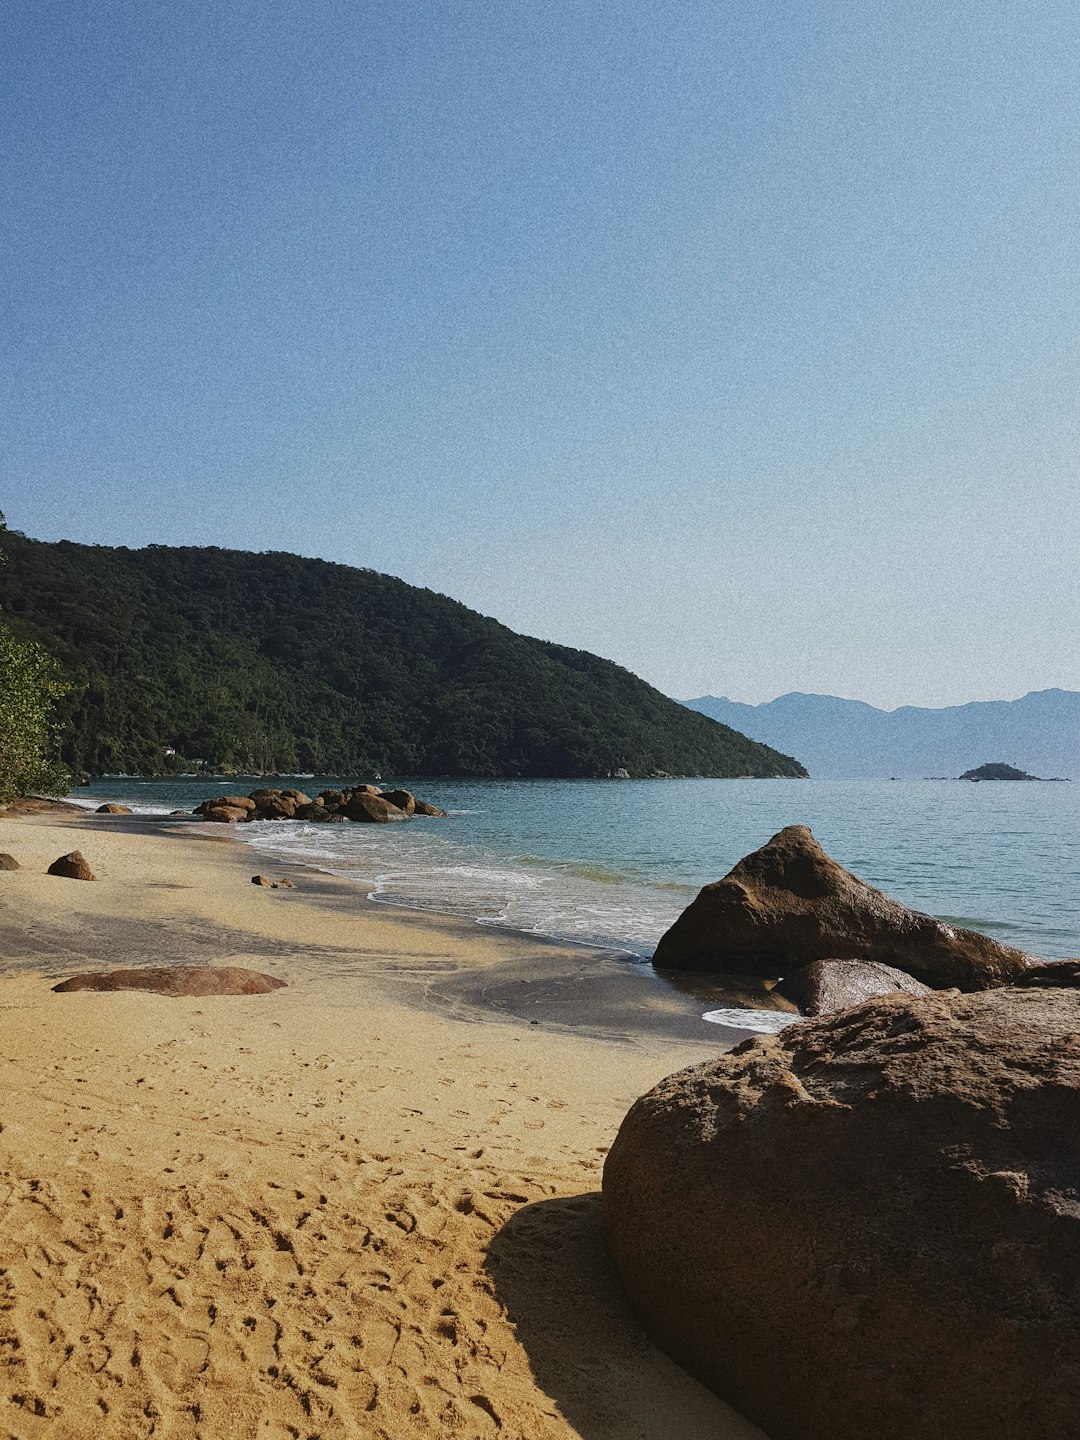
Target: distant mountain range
x=847 y=739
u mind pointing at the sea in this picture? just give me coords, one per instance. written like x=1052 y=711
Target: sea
x=611 y=863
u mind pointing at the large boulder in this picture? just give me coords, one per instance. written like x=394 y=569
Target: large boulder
x=177 y=980
x=225 y=814
x=869 y=1225
x=364 y=807
x=825 y=986
x=275 y=807
x=73 y=866
x=112 y=808
x=403 y=799
x=789 y=903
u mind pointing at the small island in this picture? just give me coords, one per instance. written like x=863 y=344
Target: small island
x=998 y=772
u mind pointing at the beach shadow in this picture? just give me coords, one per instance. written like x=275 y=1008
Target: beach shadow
x=551 y=1270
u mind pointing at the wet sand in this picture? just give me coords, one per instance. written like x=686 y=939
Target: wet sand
x=364 y=1205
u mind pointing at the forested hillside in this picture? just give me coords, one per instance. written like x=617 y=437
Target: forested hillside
x=275 y=662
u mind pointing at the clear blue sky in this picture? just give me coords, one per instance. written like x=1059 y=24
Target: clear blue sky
x=737 y=342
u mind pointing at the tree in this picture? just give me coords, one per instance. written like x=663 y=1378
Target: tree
x=30 y=684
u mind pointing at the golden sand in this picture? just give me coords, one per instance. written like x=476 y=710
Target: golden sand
x=327 y=1212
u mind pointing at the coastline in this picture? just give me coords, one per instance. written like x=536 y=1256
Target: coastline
x=364 y=1205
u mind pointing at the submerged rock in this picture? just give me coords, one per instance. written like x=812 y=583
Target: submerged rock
x=421 y=807
x=72 y=867
x=788 y=904
x=868 y=1226
x=825 y=986
x=177 y=980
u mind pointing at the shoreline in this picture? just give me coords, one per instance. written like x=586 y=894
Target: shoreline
x=363 y=1205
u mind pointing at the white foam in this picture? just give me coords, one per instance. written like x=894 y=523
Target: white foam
x=761 y=1022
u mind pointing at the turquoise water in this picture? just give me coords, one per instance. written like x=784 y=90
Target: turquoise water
x=613 y=862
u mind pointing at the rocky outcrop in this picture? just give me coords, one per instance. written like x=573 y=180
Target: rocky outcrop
x=826 y=986
x=8 y=862
x=177 y=980
x=112 y=809
x=788 y=904
x=868 y=1226
x=364 y=804
x=72 y=867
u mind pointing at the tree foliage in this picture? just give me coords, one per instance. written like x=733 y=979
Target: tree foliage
x=275 y=662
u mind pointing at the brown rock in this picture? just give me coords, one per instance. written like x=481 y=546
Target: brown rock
x=1052 y=974
x=825 y=986
x=226 y=815
x=297 y=797
x=789 y=903
x=112 y=809
x=236 y=802
x=365 y=790
x=421 y=807
x=262 y=880
x=403 y=799
x=332 y=798
x=8 y=862
x=867 y=1226
x=264 y=794
x=275 y=807
x=72 y=867
x=314 y=810
x=177 y=980
x=363 y=806
x=269 y=884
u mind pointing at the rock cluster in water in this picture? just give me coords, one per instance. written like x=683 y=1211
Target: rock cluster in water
x=869 y=1225
x=360 y=803
x=789 y=904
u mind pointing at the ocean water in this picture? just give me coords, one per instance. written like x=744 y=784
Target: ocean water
x=612 y=863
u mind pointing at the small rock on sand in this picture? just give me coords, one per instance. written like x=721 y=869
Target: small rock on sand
x=177 y=980
x=72 y=867
x=8 y=862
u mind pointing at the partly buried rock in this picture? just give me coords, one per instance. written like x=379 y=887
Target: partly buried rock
x=789 y=903
x=868 y=1225
x=8 y=862
x=177 y=980
x=825 y=986
x=72 y=867
x=268 y=884
x=112 y=809
x=363 y=806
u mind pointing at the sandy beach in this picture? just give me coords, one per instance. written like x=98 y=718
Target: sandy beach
x=364 y=1205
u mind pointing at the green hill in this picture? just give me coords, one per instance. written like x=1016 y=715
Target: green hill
x=274 y=662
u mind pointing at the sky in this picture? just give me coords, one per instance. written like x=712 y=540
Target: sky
x=737 y=343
